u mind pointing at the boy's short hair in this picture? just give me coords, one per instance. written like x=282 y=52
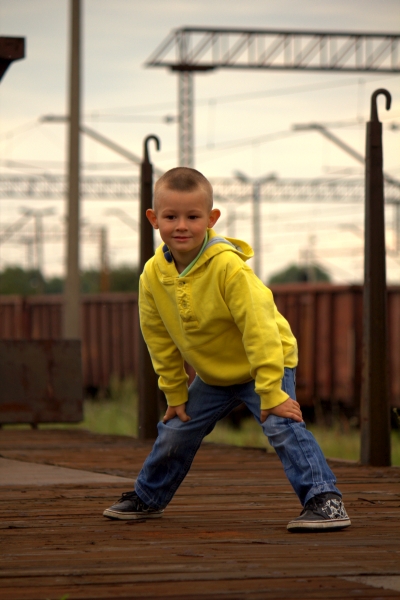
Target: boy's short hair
x=183 y=179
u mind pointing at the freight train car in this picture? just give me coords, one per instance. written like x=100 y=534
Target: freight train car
x=325 y=318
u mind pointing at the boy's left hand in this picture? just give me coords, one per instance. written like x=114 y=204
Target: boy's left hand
x=290 y=409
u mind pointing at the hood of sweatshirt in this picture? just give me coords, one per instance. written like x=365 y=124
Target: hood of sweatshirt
x=215 y=245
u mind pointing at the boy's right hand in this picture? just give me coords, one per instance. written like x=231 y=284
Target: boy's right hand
x=176 y=411
x=290 y=409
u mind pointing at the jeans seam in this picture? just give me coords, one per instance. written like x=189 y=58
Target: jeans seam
x=294 y=429
x=315 y=484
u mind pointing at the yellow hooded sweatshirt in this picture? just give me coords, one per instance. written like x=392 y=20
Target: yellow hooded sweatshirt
x=220 y=318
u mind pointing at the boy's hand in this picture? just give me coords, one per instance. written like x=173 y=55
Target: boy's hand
x=176 y=411
x=290 y=409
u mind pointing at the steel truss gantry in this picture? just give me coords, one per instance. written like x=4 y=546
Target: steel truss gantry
x=190 y=49
x=104 y=187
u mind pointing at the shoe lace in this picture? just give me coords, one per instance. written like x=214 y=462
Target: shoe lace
x=314 y=503
x=128 y=496
x=323 y=501
x=133 y=497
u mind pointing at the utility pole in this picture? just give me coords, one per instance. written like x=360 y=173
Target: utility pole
x=186 y=119
x=37 y=215
x=256 y=197
x=148 y=391
x=71 y=313
x=29 y=243
x=396 y=226
x=375 y=407
x=104 y=268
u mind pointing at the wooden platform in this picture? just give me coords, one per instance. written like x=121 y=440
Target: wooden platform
x=223 y=536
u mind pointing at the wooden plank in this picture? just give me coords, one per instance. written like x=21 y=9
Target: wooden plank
x=223 y=535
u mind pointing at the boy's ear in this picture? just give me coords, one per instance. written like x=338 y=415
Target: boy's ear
x=152 y=217
x=213 y=217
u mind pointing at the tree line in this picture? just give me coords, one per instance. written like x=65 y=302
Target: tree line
x=15 y=280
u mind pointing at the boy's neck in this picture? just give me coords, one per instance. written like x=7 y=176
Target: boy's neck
x=180 y=266
x=183 y=259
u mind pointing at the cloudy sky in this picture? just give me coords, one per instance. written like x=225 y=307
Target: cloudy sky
x=235 y=110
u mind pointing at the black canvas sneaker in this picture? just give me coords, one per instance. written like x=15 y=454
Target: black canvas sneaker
x=325 y=512
x=130 y=507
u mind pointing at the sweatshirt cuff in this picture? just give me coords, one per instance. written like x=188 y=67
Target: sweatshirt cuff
x=177 y=397
x=273 y=398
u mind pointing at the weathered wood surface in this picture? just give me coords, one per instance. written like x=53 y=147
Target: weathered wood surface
x=223 y=536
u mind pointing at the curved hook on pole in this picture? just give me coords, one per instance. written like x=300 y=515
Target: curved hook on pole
x=146 y=146
x=374 y=108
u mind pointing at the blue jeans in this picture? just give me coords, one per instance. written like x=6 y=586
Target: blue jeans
x=177 y=443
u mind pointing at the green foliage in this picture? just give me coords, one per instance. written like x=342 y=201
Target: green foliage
x=54 y=285
x=296 y=274
x=124 y=279
x=117 y=414
x=14 y=280
x=121 y=279
x=90 y=282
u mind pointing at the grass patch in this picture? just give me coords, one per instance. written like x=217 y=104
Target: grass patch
x=114 y=413
x=117 y=413
x=339 y=441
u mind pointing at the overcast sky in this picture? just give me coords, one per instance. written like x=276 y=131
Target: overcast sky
x=118 y=37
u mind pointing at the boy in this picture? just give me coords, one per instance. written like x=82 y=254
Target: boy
x=200 y=302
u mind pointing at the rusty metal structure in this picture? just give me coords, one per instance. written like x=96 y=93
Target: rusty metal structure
x=11 y=48
x=147 y=378
x=189 y=50
x=375 y=417
x=41 y=381
x=326 y=319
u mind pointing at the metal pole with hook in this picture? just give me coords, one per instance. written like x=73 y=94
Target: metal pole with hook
x=375 y=411
x=147 y=379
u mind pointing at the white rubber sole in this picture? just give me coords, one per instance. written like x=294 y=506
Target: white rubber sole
x=328 y=525
x=121 y=516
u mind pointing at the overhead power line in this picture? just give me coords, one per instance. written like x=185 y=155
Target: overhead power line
x=189 y=50
x=102 y=139
x=228 y=98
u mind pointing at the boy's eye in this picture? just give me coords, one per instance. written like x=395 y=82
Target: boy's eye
x=192 y=217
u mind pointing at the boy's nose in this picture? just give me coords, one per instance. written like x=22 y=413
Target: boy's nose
x=181 y=224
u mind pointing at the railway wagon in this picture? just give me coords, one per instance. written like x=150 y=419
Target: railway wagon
x=325 y=318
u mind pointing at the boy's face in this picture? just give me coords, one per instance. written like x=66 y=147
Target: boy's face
x=183 y=219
